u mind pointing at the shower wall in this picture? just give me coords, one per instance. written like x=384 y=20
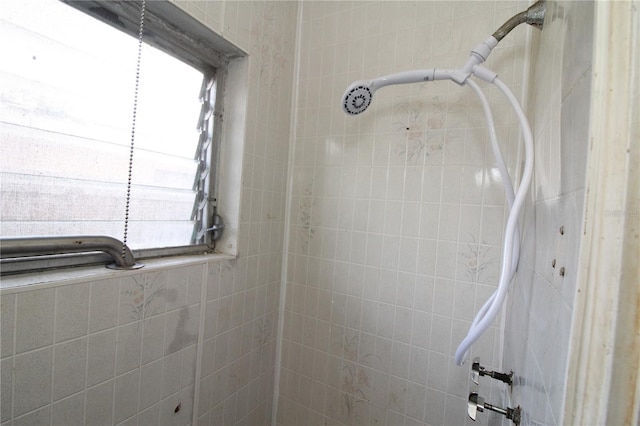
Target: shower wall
x=541 y=306
x=146 y=347
x=396 y=216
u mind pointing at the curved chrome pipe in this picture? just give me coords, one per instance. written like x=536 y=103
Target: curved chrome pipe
x=534 y=16
x=40 y=246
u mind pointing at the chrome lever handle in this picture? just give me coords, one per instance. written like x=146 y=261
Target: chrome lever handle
x=477 y=403
x=478 y=370
x=475 y=371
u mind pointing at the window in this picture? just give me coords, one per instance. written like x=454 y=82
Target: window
x=66 y=108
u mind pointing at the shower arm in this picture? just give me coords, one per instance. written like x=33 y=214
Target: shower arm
x=534 y=16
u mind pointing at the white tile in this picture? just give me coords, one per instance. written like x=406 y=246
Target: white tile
x=451 y=184
x=395 y=183
x=427 y=256
x=126 y=395
x=131 y=421
x=152 y=338
x=178 y=408
x=128 y=347
x=434 y=408
x=213 y=280
x=386 y=314
x=432 y=184
x=472 y=181
x=378 y=182
x=150 y=384
x=443 y=297
x=408 y=253
x=446 y=259
x=402 y=325
x=390 y=251
x=131 y=299
x=449 y=222
x=458 y=381
x=492 y=225
x=72 y=309
x=35 y=418
x=353 y=313
x=177 y=282
x=188 y=365
x=400 y=360
x=155 y=294
x=463 y=300
x=429 y=220
x=171 y=369
x=6 y=388
x=32 y=380
x=418 y=365
x=453 y=414
x=69 y=411
x=440 y=334
x=220 y=357
x=397 y=394
x=7 y=323
x=469 y=229
x=416 y=396
x=69 y=372
x=424 y=293
x=101 y=357
x=421 y=329
x=181 y=328
x=34 y=323
x=382 y=356
x=103 y=306
x=438 y=369
x=374 y=249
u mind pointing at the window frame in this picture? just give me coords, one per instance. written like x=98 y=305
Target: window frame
x=174 y=31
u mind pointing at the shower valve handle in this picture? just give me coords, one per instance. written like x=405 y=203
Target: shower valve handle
x=476 y=403
x=478 y=370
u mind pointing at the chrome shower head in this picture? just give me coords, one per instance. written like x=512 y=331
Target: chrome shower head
x=357 y=97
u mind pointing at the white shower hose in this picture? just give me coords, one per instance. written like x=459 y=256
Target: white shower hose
x=510 y=249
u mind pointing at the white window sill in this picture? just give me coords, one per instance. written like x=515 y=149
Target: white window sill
x=38 y=280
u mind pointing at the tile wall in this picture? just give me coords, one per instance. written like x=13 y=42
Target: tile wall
x=105 y=352
x=541 y=306
x=397 y=215
x=124 y=351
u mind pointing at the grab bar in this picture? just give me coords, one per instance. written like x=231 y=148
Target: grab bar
x=39 y=246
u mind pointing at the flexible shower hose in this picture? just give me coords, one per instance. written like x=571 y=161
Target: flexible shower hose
x=510 y=250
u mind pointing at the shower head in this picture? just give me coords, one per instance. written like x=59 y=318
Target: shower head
x=358 y=96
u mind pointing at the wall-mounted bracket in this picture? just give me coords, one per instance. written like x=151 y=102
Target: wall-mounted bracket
x=216 y=228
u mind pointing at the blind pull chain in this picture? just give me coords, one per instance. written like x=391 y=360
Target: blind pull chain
x=133 y=129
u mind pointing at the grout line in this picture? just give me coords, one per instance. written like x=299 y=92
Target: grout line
x=86 y=361
x=13 y=355
x=115 y=357
x=141 y=328
x=200 y=343
x=54 y=344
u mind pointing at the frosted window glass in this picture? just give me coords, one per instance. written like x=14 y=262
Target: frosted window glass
x=66 y=101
